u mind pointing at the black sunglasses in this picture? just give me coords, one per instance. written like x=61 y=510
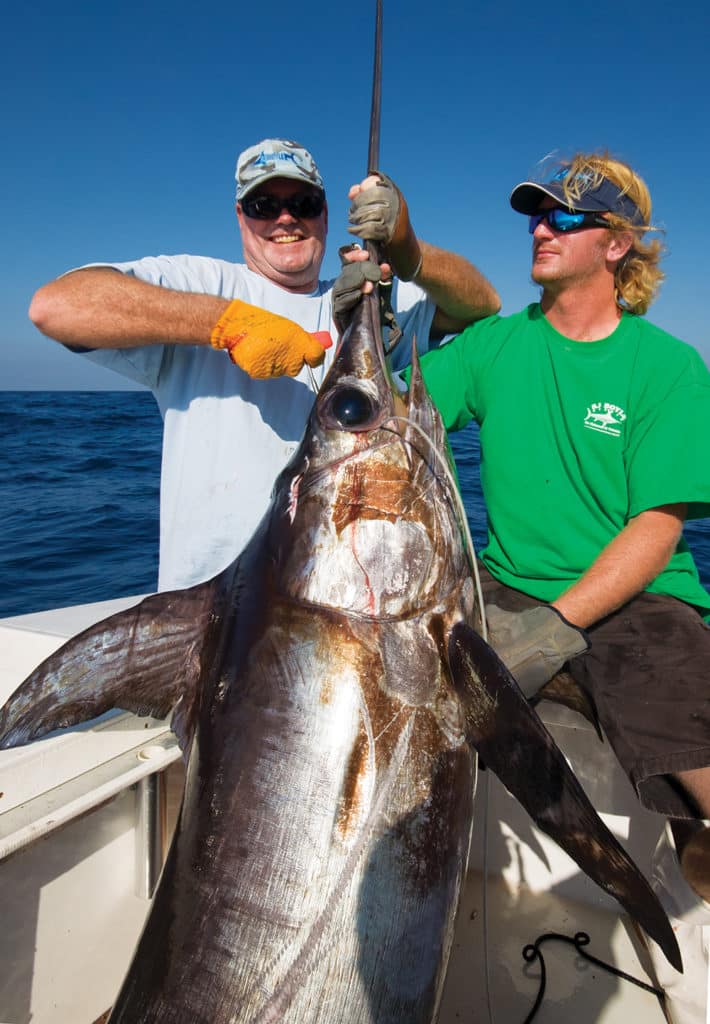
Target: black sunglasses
x=565 y=220
x=304 y=206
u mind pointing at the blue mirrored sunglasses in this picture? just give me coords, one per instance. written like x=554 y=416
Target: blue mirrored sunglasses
x=565 y=220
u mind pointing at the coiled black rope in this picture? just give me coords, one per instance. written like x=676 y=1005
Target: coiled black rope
x=531 y=952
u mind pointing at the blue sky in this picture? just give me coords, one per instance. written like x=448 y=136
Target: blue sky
x=123 y=123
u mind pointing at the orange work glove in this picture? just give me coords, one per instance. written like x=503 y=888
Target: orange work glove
x=264 y=344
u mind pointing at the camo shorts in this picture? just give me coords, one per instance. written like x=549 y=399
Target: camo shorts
x=648 y=676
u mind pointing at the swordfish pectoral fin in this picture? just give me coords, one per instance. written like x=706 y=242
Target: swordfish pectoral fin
x=515 y=745
x=144 y=660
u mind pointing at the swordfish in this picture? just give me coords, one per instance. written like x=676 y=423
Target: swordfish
x=330 y=693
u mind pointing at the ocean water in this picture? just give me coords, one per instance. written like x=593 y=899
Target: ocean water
x=79 y=488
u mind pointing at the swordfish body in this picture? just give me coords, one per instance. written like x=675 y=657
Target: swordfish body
x=329 y=694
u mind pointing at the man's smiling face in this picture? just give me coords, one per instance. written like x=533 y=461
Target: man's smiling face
x=287 y=250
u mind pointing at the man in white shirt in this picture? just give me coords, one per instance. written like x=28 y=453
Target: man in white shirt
x=229 y=429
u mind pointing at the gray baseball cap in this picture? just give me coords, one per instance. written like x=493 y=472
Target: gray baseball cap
x=275 y=158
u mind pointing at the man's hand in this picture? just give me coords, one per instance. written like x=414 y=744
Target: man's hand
x=534 y=644
x=378 y=213
x=264 y=344
x=358 y=277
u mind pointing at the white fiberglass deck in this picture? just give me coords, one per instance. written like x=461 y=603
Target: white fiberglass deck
x=70 y=853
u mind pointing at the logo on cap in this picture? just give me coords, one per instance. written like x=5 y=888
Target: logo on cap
x=266 y=158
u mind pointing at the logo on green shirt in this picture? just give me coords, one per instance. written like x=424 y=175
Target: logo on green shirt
x=605 y=417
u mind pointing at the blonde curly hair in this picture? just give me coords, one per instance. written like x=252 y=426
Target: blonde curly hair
x=638 y=276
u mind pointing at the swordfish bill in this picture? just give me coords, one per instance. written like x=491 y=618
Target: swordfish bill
x=329 y=692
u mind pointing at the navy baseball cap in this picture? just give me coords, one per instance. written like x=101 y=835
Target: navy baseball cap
x=602 y=197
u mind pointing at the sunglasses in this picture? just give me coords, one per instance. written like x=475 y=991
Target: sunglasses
x=303 y=206
x=565 y=220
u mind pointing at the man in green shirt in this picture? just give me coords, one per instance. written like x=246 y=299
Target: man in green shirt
x=593 y=428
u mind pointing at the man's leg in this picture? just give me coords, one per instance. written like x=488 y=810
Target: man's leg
x=648 y=673
x=692 y=838
x=681 y=880
x=697 y=783
x=687 y=995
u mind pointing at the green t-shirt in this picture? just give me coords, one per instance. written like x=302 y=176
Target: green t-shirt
x=576 y=439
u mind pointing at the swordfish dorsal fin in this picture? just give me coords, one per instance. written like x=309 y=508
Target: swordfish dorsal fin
x=515 y=745
x=144 y=659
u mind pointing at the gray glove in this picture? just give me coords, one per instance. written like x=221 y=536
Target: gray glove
x=379 y=214
x=534 y=644
x=348 y=289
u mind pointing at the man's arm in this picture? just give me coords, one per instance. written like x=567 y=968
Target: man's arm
x=99 y=307
x=625 y=566
x=536 y=643
x=102 y=308
x=461 y=293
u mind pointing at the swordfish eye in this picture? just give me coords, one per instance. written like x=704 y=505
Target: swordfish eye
x=349 y=408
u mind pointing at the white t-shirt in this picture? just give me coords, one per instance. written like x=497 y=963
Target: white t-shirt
x=226 y=437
